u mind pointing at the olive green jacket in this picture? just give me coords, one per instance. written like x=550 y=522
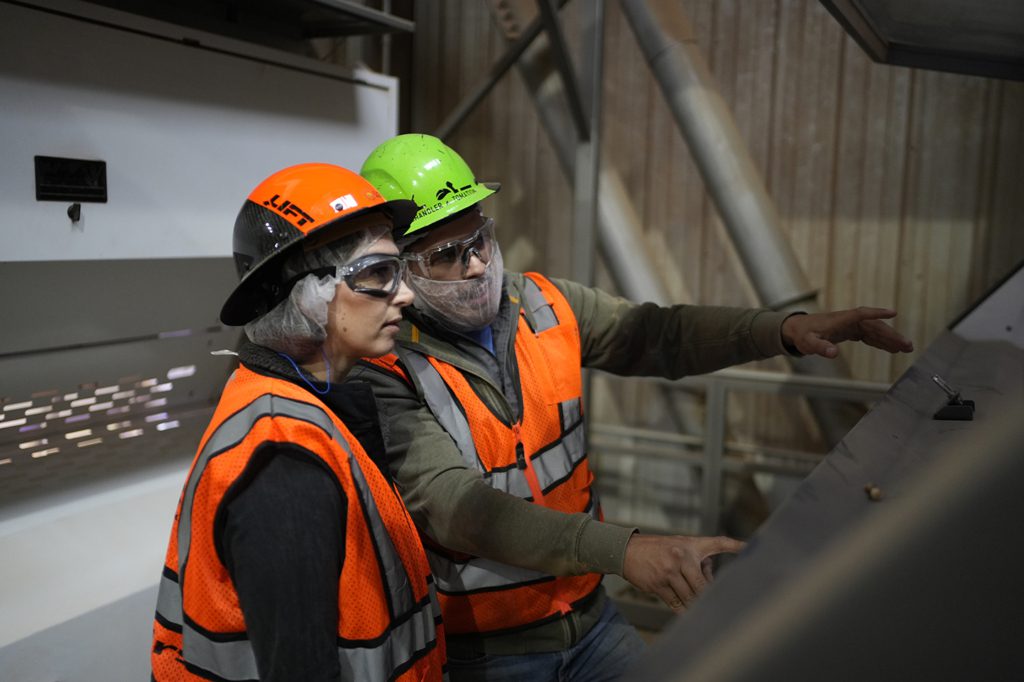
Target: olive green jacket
x=449 y=501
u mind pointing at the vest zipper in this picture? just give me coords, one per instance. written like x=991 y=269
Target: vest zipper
x=526 y=466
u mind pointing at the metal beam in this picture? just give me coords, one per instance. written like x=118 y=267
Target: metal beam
x=666 y=38
x=588 y=151
x=386 y=21
x=464 y=108
x=619 y=230
x=563 y=62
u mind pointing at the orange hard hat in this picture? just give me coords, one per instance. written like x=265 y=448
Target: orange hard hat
x=288 y=208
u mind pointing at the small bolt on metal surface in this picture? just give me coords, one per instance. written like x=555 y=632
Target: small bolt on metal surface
x=873 y=492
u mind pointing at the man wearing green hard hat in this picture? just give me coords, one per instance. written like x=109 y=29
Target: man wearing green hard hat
x=483 y=402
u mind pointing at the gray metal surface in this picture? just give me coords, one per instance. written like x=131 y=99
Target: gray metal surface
x=920 y=584
x=984 y=38
x=68 y=304
x=106 y=368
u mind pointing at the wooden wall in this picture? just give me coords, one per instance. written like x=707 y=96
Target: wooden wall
x=896 y=187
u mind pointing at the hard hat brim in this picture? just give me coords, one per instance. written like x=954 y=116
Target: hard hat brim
x=249 y=299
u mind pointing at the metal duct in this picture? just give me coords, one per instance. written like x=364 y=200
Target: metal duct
x=665 y=36
x=719 y=151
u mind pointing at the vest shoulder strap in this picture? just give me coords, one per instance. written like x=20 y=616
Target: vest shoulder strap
x=537 y=303
x=443 y=405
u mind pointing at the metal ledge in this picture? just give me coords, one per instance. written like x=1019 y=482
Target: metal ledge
x=973 y=37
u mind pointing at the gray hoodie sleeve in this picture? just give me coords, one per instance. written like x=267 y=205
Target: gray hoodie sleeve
x=645 y=339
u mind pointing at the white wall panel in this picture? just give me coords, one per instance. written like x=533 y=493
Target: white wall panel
x=186 y=129
x=187 y=124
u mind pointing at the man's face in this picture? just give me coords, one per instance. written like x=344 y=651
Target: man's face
x=459 y=249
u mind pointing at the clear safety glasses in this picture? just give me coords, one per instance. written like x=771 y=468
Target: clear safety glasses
x=451 y=261
x=378 y=274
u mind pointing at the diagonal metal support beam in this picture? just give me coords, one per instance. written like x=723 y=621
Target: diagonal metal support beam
x=619 y=234
x=588 y=151
x=664 y=35
x=666 y=38
x=620 y=237
x=563 y=62
x=464 y=108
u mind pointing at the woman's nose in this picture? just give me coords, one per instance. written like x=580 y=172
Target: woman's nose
x=404 y=296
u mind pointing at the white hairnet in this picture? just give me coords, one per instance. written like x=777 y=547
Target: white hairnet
x=297 y=326
x=463 y=304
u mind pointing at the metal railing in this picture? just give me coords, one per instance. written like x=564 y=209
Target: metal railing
x=709 y=451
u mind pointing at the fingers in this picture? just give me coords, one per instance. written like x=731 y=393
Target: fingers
x=675 y=591
x=695 y=575
x=706 y=567
x=815 y=345
x=719 y=544
x=819 y=333
x=882 y=336
x=865 y=313
x=675 y=568
x=683 y=593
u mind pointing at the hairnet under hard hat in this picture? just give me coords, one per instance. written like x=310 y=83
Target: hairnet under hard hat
x=462 y=305
x=297 y=326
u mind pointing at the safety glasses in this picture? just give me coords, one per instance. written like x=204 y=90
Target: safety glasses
x=378 y=274
x=451 y=261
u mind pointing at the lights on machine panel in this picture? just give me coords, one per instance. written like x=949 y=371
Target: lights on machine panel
x=86 y=417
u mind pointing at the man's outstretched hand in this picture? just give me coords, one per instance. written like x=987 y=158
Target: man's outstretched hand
x=818 y=333
x=676 y=568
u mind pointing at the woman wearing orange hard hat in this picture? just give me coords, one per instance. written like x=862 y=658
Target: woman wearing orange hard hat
x=291 y=554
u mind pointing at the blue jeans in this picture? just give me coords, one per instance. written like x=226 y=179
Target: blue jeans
x=610 y=647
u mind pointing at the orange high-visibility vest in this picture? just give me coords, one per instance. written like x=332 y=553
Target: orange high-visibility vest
x=388 y=616
x=541 y=458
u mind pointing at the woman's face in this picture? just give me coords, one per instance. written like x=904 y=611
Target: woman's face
x=361 y=325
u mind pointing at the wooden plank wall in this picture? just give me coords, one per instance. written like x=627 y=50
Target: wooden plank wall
x=896 y=187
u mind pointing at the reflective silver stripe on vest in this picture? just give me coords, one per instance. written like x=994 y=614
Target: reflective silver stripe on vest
x=408 y=638
x=235 y=660
x=551 y=466
x=570 y=412
x=444 y=407
x=229 y=660
x=533 y=300
x=481 y=574
x=556 y=463
x=511 y=481
x=168 y=601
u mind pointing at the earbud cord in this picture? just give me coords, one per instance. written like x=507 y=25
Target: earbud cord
x=308 y=382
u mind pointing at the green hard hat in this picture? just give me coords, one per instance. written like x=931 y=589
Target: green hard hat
x=425 y=170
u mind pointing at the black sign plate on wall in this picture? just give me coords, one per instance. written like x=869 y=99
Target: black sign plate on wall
x=59 y=179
